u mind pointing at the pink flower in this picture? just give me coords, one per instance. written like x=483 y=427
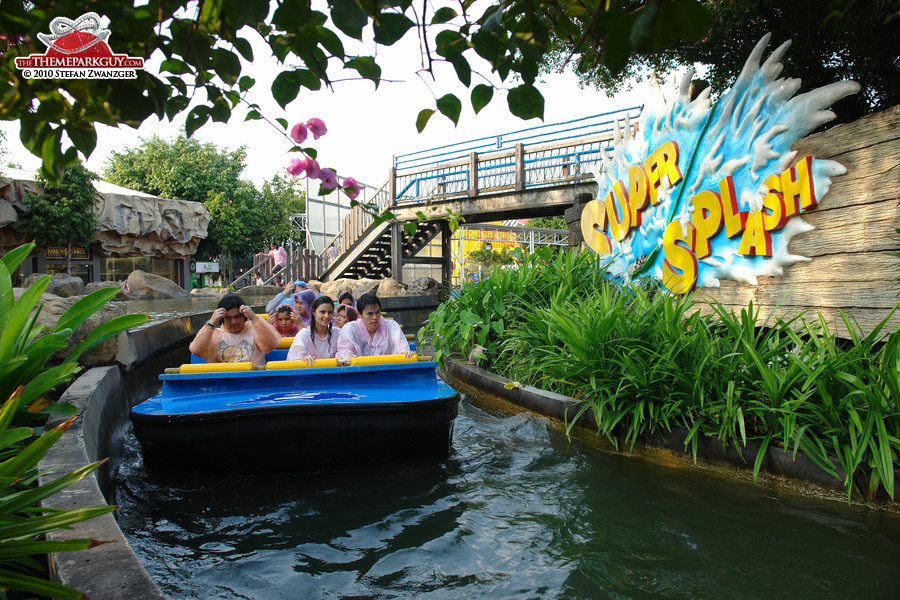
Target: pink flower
x=328 y=178
x=317 y=127
x=298 y=133
x=351 y=187
x=298 y=166
x=312 y=168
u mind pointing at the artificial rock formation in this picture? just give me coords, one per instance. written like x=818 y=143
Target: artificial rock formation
x=129 y=223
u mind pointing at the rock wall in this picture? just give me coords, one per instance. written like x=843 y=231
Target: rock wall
x=129 y=223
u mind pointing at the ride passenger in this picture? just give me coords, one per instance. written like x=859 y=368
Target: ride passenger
x=283 y=319
x=371 y=335
x=322 y=339
x=243 y=335
x=346 y=297
x=286 y=296
x=303 y=307
x=344 y=314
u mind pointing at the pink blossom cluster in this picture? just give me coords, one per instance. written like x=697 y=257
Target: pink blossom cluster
x=310 y=167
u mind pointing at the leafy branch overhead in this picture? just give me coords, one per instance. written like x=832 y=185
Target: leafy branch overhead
x=207 y=56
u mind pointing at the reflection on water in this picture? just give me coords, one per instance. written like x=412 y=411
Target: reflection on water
x=516 y=512
x=174 y=307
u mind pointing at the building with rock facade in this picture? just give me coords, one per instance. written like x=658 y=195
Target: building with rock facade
x=135 y=231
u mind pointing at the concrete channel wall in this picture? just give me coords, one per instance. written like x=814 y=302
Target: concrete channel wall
x=103 y=397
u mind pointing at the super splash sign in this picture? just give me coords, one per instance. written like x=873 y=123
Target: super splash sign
x=705 y=191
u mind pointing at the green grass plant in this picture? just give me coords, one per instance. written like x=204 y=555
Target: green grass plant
x=28 y=382
x=643 y=362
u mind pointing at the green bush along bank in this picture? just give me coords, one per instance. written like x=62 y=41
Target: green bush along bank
x=642 y=362
x=28 y=384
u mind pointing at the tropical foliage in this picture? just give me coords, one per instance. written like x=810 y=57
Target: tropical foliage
x=28 y=382
x=832 y=40
x=643 y=362
x=486 y=259
x=243 y=219
x=207 y=56
x=63 y=215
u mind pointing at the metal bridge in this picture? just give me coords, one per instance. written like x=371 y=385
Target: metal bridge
x=534 y=172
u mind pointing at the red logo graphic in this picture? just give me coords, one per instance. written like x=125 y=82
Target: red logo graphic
x=78 y=50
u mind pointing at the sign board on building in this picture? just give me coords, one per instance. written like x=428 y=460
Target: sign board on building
x=60 y=253
x=207 y=267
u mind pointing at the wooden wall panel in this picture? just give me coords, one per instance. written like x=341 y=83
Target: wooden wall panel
x=851 y=267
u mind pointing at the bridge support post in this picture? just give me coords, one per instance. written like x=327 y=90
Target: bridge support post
x=473 y=174
x=446 y=254
x=397 y=252
x=520 y=167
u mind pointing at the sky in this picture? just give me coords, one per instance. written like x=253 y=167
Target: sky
x=366 y=127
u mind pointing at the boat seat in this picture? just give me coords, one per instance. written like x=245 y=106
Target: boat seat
x=277 y=354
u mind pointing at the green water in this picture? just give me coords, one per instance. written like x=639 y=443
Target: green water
x=516 y=512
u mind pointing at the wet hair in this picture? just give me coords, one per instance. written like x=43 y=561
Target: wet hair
x=283 y=308
x=348 y=311
x=231 y=301
x=367 y=300
x=323 y=299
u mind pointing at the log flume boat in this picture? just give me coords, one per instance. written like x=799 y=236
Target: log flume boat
x=291 y=417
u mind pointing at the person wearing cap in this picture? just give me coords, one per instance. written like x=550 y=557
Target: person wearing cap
x=287 y=296
x=371 y=335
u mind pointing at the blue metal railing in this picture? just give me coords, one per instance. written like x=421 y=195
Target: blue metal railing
x=542 y=134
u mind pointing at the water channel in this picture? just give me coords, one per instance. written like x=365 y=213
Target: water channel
x=517 y=511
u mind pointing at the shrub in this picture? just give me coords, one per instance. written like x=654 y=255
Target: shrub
x=27 y=386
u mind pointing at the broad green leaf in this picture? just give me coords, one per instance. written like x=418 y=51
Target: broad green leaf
x=481 y=96
x=78 y=313
x=443 y=14
x=463 y=70
x=449 y=42
x=391 y=27
x=365 y=66
x=196 y=118
x=14 y=258
x=285 y=88
x=450 y=107
x=349 y=17
x=526 y=102
x=104 y=332
x=244 y=47
x=226 y=65
x=422 y=119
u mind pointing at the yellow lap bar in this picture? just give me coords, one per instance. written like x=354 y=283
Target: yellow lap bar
x=285 y=343
x=386 y=359
x=319 y=363
x=216 y=367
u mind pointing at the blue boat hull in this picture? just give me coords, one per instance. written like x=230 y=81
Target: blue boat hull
x=296 y=420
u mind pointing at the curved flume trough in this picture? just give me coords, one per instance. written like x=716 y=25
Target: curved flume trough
x=103 y=396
